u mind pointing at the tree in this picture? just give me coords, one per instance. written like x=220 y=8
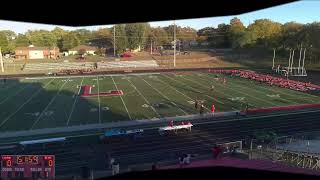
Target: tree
x=158 y=36
x=83 y=35
x=121 y=38
x=42 y=38
x=222 y=36
x=289 y=33
x=136 y=34
x=69 y=41
x=22 y=41
x=182 y=33
x=263 y=31
x=237 y=33
x=4 y=43
x=102 y=38
x=7 y=41
x=59 y=33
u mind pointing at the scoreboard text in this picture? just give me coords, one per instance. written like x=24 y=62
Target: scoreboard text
x=28 y=166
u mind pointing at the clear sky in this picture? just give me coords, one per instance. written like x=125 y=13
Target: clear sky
x=305 y=11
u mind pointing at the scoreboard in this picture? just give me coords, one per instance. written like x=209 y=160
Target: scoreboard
x=27 y=166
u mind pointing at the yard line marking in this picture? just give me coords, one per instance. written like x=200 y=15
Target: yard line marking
x=48 y=105
x=12 y=95
x=164 y=96
x=289 y=99
x=28 y=100
x=195 y=90
x=74 y=102
x=275 y=91
x=143 y=97
x=259 y=92
x=180 y=92
x=241 y=92
x=121 y=98
x=99 y=99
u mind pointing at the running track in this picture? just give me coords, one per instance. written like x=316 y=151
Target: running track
x=87 y=151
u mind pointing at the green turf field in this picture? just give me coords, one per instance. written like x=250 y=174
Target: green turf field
x=28 y=104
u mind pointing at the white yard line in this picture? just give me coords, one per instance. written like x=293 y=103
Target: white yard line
x=215 y=99
x=188 y=97
x=121 y=98
x=292 y=100
x=165 y=96
x=74 y=102
x=48 y=105
x=80 y=76
x=12 y=95
x=275 y=91
x=99 y=99
x=244 y=92
x=143 y=97
x=21 y=106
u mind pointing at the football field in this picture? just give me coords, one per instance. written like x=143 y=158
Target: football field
x=34 y=103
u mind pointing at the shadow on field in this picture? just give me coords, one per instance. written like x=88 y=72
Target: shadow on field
x=30 y=104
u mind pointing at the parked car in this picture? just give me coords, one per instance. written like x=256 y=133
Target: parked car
x=126 y=55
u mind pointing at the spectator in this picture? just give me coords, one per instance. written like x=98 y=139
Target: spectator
x=186 y=159
x=171 y=123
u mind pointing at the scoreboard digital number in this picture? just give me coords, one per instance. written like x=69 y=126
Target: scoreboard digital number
x=28 y=166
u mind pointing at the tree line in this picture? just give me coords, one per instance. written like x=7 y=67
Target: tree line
x=126 y=36
x=262 y=33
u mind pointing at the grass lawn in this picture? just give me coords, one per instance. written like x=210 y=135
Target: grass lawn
x=28 y=104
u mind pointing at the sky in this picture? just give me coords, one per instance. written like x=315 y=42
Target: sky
x=305 y=11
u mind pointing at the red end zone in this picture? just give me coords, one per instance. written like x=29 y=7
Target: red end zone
x=86 y=92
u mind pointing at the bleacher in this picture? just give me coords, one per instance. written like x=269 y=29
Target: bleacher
x=58 y=66
x=127 y=64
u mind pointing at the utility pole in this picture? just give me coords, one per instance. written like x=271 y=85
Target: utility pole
x=274 y=55
x=151 y=48
x=175 y=44
x=114 y=40
x=1 y=61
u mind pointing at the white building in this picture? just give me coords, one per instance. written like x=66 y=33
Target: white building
x=88 y=49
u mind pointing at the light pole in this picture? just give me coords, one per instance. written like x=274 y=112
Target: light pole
x=174 y=46
x=1 y=61
x=114 y=40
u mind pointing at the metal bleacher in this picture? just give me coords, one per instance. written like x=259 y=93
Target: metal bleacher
x=57 y=66
x=127 y=64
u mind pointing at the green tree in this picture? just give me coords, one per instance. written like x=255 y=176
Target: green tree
x=42 y=38
x=69 y=41
x=238 y=35
x=136 y=33
x=289 y=34
x=7 y=41
x=102 y=38
x=59 y=33
x=121 y=38
x=158 y=36
x=4 y=43
x=83 y=35
x=22 y=41
x=264 y=32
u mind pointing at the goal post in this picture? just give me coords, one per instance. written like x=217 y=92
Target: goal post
x=1 y=61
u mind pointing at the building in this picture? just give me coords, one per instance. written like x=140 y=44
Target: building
x=88 y=49
x=32 y=52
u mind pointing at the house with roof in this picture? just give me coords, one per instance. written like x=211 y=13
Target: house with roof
x=90 y=50
x=32 y=52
